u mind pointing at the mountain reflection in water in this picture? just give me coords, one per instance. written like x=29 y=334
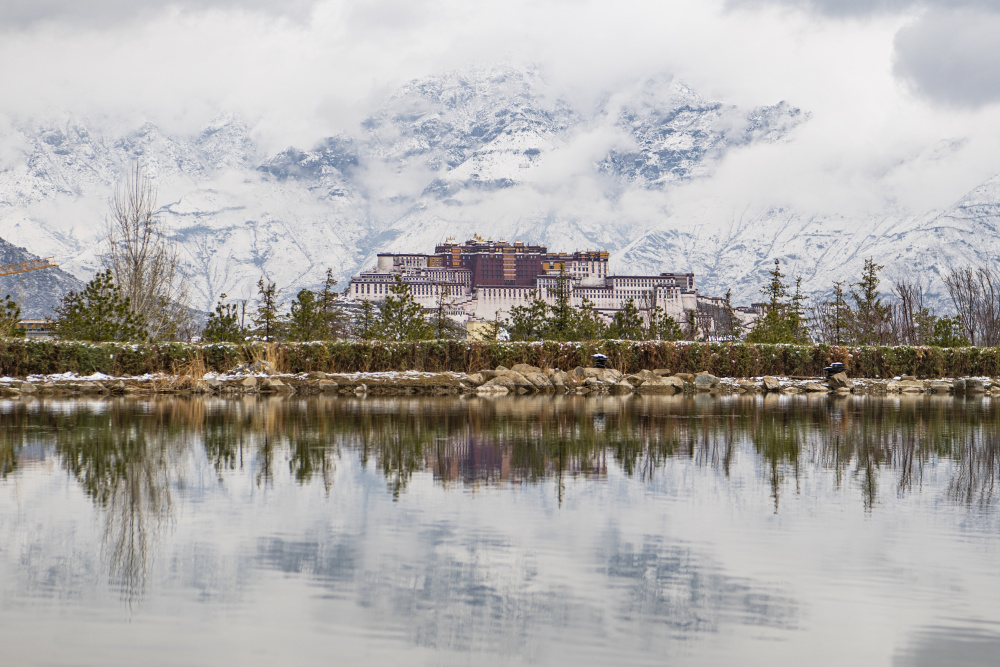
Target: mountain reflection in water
x=463 y=576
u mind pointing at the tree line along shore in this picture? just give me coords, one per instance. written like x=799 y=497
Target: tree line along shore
x=21 y=358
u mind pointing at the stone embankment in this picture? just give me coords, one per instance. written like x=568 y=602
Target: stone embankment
x=261 y=378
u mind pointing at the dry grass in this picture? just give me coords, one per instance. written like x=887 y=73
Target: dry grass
x=194 y=368
x=274 y=354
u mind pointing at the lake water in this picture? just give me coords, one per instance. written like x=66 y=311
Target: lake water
x=527 y=530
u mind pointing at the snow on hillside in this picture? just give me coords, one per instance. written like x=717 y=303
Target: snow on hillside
x=490 y=151
x=37 y=292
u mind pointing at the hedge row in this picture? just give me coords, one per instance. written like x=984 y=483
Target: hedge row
x=19 y=357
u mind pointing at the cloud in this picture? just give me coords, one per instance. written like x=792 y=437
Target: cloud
x=952 y=56
x=16 y=14
x=946 y=51
x=320 y=69
x=847 y=8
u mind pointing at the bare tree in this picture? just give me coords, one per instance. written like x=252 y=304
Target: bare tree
x=910 y=320
x=143 y=260
x=976 y=295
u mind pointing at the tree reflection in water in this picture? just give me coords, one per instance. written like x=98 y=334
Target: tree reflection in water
x=124 y=453
x=125 y=457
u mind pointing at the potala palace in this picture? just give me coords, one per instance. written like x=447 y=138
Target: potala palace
x=482 y=279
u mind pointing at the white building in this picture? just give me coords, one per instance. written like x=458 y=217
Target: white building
x=481 y=280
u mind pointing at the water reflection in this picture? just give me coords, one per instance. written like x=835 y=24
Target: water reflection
x=519 y=528
x=120 y=451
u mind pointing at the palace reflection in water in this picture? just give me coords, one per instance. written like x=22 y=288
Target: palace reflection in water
x=475 y=574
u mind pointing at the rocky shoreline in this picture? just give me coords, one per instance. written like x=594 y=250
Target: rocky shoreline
x=261 y=378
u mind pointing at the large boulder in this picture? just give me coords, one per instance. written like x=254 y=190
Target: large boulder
x=494 y=388
x=705 y=382
x=520 y=381
x=540 y=381
x=276 y=385
x=635 y=380
x=974 y=386
x=504 y=381
x=327 y=386
x=525 y=368
x=770 y=384
x=609 y=375
x=606 y=375
x=512 y=381
x=840 y=381
x=475 y=379
x=940 y=387
x=667 y=386
x=620 y=388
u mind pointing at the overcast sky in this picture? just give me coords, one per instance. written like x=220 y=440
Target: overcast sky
x=903 y=94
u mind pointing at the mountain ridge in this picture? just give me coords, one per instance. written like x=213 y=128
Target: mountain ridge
x=491 y=151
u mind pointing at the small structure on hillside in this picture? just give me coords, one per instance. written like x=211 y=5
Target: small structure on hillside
x=38 y=329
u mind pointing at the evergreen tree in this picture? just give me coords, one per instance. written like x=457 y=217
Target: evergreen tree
x=627 y=323
x=333 y=315
x=491 y=331
x=10 y=315
x=926 y=324
x=402 y=317
x=528 y=322
x=948 y=332
x=690 y=329
x=869 y=312
x=99 y=313
x=366 y=326
x=444 y=327
x=589 y=324
x=669 y=329
x=267 y=319
x=224 y=325
x=800 y=321
x=663 y=327
x=559 y=326
x=306 y=319
x=842 y=314
x=782 y=320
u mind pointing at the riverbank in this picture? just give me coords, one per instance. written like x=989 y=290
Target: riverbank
x=22 y=358
x=262 y=378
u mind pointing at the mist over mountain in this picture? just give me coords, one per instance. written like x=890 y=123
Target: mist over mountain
x=490 y=151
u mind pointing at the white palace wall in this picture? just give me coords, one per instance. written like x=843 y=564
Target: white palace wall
x=674 y=293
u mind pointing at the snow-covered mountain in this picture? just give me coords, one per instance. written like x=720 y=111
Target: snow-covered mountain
x=37 y=292
x=490 y=151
